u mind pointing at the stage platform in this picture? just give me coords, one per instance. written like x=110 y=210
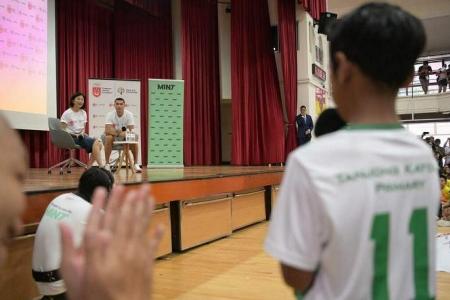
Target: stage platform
x=172 y=184
x=195 y=205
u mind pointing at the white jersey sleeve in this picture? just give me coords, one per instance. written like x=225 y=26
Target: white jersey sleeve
x=298 y=226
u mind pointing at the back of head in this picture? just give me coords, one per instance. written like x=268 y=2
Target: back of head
x=383 y=40
x=91 y=179
x=329 y=121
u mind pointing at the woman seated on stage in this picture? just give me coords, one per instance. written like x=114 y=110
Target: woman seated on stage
x=74 y=120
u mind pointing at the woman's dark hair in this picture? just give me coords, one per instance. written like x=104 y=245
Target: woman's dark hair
x=328 y=121
x=93 y=178
x=72 y=98
x=383 y=40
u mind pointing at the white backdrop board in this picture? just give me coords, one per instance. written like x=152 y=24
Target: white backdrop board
x=102 y=93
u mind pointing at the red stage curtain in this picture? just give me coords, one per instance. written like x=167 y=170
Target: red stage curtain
x=84 y=43
x=154 y=7
x=258 y=133
x=40 y=150
x=288 y=49
x=314 y=7
x=200 y=46
x=142 y=50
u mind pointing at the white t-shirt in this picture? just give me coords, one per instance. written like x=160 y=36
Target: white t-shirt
x=73 y=211
x=125 y=120
x=342 y=196
x=442 y=74
x=76 y=121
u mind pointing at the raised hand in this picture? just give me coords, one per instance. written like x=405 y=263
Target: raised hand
x=115 y=260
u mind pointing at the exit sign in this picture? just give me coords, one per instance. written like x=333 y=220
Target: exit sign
x=319 y=72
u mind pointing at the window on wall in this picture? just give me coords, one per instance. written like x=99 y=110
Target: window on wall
x=439 y=130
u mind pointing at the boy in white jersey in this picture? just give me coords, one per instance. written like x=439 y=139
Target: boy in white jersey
x=355 y=216
x=72 y=209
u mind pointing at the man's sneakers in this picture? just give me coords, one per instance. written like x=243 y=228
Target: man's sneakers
x=137 y=168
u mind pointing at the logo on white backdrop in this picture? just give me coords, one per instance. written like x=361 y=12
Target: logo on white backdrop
x=121 y=91
x=96 y=91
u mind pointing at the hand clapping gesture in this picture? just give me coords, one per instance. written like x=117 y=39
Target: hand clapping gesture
x=115 y=259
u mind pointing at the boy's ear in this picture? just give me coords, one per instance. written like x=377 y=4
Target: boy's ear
x=408 y=80
x=343 y=71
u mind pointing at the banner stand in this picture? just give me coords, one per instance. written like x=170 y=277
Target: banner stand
x=165 y=132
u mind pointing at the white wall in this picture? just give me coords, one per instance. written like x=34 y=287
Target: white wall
x=224 y=20
x=423 y=104
x=176 y=38
x=308 y=38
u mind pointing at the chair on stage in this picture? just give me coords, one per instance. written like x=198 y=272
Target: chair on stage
x=117 y=163
x=63 y=140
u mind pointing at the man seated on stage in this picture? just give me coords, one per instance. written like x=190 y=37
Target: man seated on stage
x=117 y=123
x=112 y=262
x=72 y=209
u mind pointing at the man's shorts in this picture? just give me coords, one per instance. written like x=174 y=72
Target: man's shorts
x=84 y=142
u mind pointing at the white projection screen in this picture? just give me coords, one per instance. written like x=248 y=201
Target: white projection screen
x=27 y=63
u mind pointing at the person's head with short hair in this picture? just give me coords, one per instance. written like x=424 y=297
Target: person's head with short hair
x=437 y=142
x=119 y=105
x=425 y=62
x=446 y=212
x=447 y=169
x=328 y=121
x=443 y=180
x=77 y=100
x=91 y=179
x=373 y=51
x=303 y=110
x=13 y=167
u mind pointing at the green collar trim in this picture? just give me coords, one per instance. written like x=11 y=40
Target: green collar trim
x=298 y=295
x=385 y=126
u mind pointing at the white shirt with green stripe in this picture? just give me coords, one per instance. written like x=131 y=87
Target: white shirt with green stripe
x=358 y=207
x=73 y=211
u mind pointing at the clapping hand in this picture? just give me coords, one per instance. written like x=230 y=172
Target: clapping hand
x=115 y=259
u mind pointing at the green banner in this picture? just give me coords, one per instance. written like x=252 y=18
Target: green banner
x=165 y=132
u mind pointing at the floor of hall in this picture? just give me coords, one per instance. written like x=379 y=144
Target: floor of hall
x=235 y=267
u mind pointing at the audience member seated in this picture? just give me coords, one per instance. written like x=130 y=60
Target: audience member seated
x=72 y=209
x=74 y=121
x=445 y=220
x=117 y=123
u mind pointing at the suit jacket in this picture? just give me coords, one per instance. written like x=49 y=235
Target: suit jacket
x=303 y=125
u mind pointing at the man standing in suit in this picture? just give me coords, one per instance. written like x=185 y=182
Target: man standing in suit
x=305 y=126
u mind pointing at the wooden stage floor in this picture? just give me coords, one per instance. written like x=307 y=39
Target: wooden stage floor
x=167 y=184
x=38 y=180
